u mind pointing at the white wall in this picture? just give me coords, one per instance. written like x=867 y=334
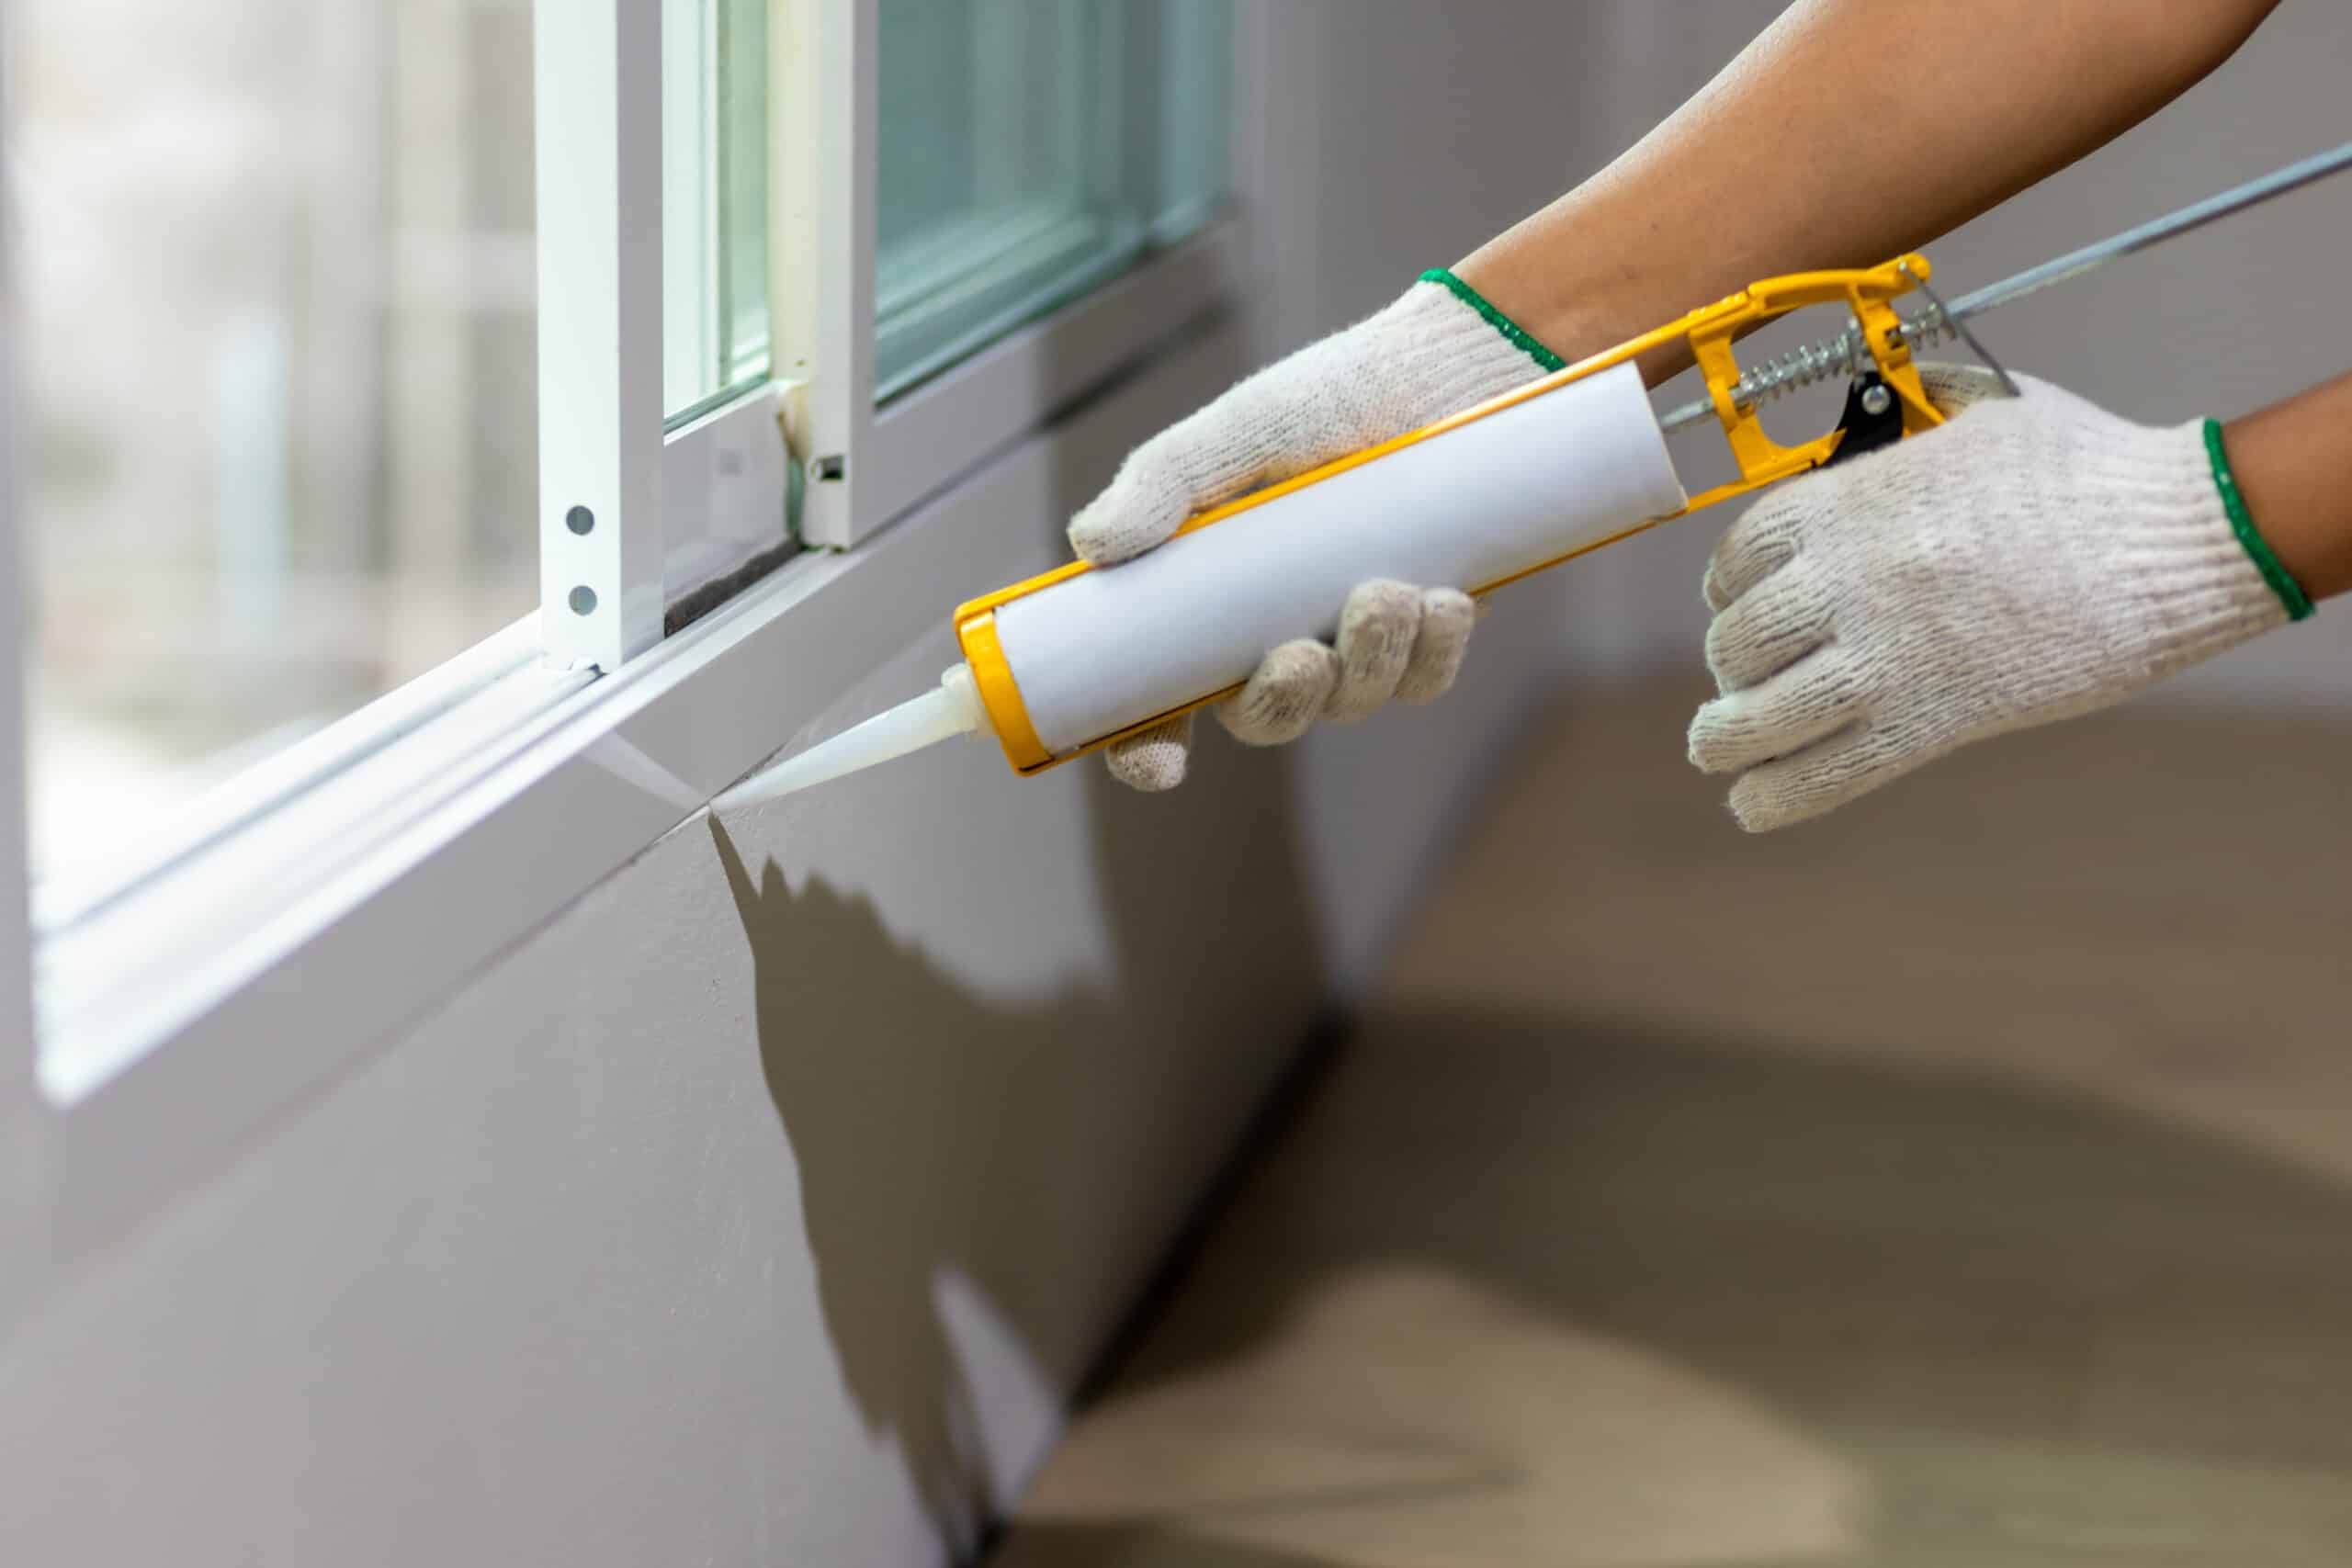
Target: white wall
x=2217 y=323
x=762 y=1207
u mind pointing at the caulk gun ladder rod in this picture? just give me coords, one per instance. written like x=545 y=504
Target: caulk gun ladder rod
x=1941 y=319
x=1709 y=333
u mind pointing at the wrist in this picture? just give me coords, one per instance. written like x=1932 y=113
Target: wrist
x=1577 y=309
x=2281 y=579
x=2290 y=467
x=1518 y=336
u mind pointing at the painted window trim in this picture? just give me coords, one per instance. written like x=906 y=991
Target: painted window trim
x=636 y=511
x=630 y=522
x=512 y=805
x=282 y=831
x=597 y=83
x=869 y=463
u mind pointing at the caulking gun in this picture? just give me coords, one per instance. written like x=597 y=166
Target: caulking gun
x=1067 y=662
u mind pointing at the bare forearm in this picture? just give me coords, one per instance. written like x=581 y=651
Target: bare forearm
x=1849 y=131
x=2293 y=465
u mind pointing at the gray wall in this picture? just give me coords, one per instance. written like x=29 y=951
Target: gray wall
x=763 y=1205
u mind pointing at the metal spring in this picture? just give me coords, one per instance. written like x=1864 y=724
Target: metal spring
x=1800 y=366
x=1844 y=354
x=1925 y=330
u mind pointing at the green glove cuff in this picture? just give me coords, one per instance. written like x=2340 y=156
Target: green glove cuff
x=1520 y=338
x=2273 y=571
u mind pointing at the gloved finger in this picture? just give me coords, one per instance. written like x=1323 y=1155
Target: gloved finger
x=1146 y=502
x=1812 y=699
x=1255 y=435
x=1953 y=388
x=1377 y=630
x=1155 y=759
x=1759 y=544
x=1819 y=779
x=1769 y=628
x=1448 y=616
x=1286 y=695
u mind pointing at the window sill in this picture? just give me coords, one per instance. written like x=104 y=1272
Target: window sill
x=170 y=1024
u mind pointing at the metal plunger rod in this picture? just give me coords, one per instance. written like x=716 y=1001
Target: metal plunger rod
x=1933 y=322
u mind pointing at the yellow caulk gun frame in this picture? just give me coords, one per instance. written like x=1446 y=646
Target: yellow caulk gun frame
x=1868 y=292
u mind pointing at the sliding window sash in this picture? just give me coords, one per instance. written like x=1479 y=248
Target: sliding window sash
x=866 y=464
x=824 y=85
x=598 y=79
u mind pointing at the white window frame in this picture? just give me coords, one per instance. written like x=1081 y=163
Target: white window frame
x=313 y=908
x=598 y=80
x=632 y=520
x=867 y=465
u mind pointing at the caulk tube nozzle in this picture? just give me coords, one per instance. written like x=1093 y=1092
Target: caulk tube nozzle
x=951 y=708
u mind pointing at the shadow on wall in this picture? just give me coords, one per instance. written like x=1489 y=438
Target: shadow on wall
x=889 y=1080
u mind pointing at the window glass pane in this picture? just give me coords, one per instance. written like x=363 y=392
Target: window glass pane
x=278 y=373
x=1188 y=62
x=1028 y=149
x=713 y=201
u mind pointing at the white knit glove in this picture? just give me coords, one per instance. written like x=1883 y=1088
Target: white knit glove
x=1435 y=352
x=2036 y=559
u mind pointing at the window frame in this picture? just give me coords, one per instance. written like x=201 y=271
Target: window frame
x=597 y=83
x=666 y=513
x=634 y=515
x=403 y=850
x=868 y=463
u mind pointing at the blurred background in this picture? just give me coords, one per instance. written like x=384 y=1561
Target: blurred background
x=280 y=446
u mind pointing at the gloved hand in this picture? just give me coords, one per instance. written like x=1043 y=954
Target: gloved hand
x=2036 y=559
x=1438 y=350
